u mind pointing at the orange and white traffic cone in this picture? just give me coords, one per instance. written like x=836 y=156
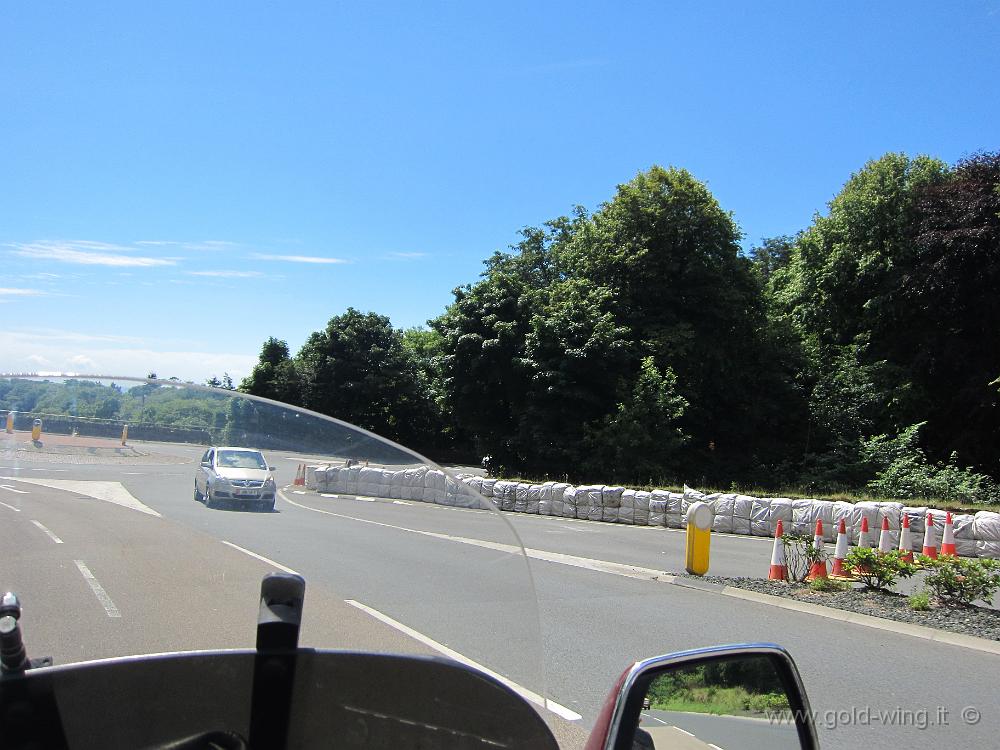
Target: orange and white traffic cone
x=948 y=537
x=905 y=543
x=865 y=537
x=884 y=540
x=779 y=570
x=930 y=546
x=840 y=552
x=300 y=476
x=818 y=568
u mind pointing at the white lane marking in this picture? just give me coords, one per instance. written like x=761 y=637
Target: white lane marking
x=684 y=730
x=656 y=719
x=600 y=566
x=98 y=589
x=715 y=746
x=52 y=536
x=111 y=492
x=364 y=498
x=267 y=560
x=13 y=489
x=327 y=494
x=530 y=695
x=401 y=502
x=299 y=492
x=135 y=473
x=11 y=507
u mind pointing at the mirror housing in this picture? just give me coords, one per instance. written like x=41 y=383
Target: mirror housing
x=628 y=701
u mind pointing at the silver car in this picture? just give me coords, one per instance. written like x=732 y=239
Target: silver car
x=235 y=476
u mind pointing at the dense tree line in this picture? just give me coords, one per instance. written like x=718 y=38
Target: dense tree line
x=638 y=343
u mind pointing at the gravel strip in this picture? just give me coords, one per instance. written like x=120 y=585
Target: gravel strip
x=976 y=621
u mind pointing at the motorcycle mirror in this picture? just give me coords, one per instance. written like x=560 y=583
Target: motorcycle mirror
x=744 y=696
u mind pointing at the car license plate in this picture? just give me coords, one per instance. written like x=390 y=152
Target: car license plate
x=248 y=493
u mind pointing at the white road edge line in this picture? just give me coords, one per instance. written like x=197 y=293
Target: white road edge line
x=268 y=560
x=529 y=695
x=16 y=510
x=600 y=566
x=98 y=589
x=52 y=536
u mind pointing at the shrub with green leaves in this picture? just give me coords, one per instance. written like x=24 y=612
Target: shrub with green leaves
x=903 y=471
x=878 y=571
x=960 y=581
x=800 y=554
x=828 y=585
x=921 y=601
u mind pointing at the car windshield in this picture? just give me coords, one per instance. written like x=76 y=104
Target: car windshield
x=232 y=459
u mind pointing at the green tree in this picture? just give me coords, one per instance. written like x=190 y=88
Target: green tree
x=640 y=440
x=274 y=376
x=358 y=370
x=671 y=254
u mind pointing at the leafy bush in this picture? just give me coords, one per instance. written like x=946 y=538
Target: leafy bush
x=903 y=471
x=800 y=554
x=878 y=571
x=961 y=581
x=828 y=585
x=921 y=601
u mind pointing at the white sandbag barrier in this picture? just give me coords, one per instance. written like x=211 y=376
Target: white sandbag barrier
x=976 y=535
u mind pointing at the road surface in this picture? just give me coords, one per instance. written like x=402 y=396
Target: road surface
x=101 y=575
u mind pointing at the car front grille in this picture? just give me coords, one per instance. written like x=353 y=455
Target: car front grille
x=246 y=483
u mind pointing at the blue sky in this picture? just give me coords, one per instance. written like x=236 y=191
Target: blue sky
x=180 y=180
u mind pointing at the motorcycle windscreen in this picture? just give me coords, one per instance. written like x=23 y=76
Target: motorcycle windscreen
x=140 y=516
x=338 y=699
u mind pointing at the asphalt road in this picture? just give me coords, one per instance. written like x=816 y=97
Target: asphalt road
x=417 y=578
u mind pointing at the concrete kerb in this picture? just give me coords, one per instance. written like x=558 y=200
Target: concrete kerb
x=856 y=618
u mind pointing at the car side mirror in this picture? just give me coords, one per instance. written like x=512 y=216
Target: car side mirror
x=743 y=696
x=207 y=464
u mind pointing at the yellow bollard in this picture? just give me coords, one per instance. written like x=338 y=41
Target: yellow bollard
x=700 y=517
x=36 y=430
x=10 y=423
x=124 y=433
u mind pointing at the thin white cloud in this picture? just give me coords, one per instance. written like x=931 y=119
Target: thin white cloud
x=84 y=362
x=15 y=292
x=83 y=252
x=21 y=354
x=190 y=245
x=407 y=256
x=228 y=274
x=32 y=335
x=300 y=258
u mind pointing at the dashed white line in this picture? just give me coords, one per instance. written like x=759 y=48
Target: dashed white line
x=684 y=730
x=51 y=536
x=11 y=507
x=401 y=502
x=267 y=560
x=98 y=589
x=715 y=746
x=327 y=494
x=14 y=489
x=530 y=695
